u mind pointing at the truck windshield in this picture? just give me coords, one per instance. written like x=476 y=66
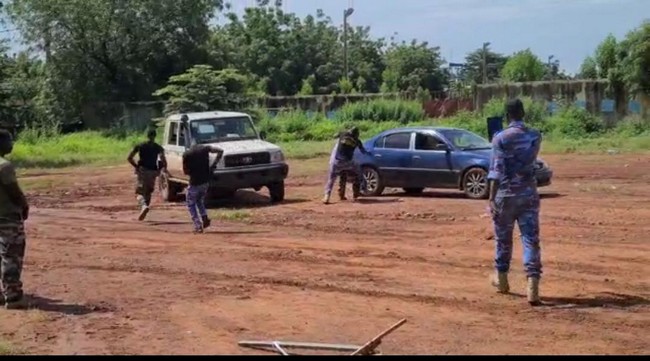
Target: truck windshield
x=223 y=130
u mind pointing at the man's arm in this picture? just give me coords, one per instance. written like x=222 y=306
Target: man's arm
x=361 y=147
x=186 y=168
x=131 y=157
x=497 y=168
x=219 y=152
x=10 y=185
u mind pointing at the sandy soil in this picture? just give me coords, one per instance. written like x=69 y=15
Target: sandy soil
x=102 y=283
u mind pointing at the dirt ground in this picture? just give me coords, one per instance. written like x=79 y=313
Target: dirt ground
x=102 y=283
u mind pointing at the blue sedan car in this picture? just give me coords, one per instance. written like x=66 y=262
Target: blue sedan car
x=431 y=157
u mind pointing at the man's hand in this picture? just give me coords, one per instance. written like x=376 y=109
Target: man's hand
x=25 y=212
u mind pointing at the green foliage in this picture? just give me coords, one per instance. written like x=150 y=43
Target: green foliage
x=381 y=111
x=606 y=56
x=634 y=59
x=202 y=88
x=574 y=123
x=346 y=86
x=412 y=66
x=523 y=66
x=473 y=70
x=589 y=68
x=633 y=126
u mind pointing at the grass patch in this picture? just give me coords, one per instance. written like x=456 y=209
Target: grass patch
x=7 y=349
x=234 y=215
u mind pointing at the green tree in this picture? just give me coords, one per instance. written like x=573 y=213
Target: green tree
x=113 y=50
x=589 y=69
x=202 y=88
x=473 y=70
x=523 y=66
x=606 y=56
x=412 y=66
x=634 y=59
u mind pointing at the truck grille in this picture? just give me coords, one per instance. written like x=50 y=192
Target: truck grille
x=243 y=160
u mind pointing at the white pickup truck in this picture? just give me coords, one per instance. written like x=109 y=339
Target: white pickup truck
x=248 y=160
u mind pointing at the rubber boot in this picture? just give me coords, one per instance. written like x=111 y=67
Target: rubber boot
x=206 y=222
x=20 y=304
x=533 y=291
x=500 y=281
x=144 y=208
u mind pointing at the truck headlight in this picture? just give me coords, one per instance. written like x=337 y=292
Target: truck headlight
x=277 y=157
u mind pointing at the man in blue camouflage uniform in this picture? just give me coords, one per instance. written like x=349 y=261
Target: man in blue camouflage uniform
x=514 y=198
x=14 y=211
x=342 y=163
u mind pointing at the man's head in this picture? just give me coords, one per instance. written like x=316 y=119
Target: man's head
x=151 y=135
x=6 y=142
x=355 y=132
x=515 y=109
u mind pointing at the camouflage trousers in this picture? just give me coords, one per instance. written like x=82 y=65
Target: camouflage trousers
x=344 y=169
x=525 y=211
x=145 y=186
x=12 y=252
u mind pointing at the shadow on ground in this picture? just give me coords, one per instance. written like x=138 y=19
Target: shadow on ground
x=57 y=306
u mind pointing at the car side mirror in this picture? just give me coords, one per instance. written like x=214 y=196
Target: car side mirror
x=263 y=135
x=442 y=146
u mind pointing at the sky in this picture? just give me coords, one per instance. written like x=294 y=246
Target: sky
x=569 y=30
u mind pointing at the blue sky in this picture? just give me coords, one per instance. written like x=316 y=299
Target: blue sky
x=567 y=29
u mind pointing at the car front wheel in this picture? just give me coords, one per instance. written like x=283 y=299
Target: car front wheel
x=475 y=183
x=168 y=190
x=276 y=191
x=374 y=184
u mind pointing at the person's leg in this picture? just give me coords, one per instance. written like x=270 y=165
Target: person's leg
x=528 y=222
x=12 y=253
x=200 y=204
x=331 y=178
x=343 y=182
x=192 y=197
x=503 y=222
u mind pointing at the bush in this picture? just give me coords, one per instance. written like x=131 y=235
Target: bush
x=633 y=126
x=574 y=123
x=382 y=110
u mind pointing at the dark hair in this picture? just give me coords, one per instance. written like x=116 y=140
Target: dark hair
x=151 y=133
x=515 y=109
x=5 y=136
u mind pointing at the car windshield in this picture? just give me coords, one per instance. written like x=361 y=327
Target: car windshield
x=465 y=140
x=223 y=130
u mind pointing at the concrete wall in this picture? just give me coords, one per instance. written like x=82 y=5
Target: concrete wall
x=588 y=94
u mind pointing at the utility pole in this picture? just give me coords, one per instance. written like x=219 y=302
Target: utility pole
x=346 y=14
x=485 y=50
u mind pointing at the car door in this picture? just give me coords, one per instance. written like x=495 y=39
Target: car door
x=174 y=148
x=392 y=156
x=431 y=162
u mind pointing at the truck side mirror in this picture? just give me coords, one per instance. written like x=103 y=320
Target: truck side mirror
x=263 y=135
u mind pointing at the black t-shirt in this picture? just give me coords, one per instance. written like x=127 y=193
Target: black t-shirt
x=148 y=153
x=347 y=145
x=196 y=163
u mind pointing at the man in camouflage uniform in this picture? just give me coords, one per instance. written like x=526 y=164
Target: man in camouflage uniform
x=342 y=164
x=14 y=211
x=514 y=197
x=147 y=170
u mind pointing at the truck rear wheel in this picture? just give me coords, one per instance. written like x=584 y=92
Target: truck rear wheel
x=276 y=191
x=168 y=189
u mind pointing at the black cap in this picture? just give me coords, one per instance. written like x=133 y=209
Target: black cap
x=515 y=108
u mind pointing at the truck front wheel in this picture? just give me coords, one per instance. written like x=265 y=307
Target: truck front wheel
x=276 y=191
x=168 y=190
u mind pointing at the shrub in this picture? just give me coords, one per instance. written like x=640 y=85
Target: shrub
x=382 y=110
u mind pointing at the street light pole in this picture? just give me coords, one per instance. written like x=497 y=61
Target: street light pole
x=346 y=14
x=485 y=49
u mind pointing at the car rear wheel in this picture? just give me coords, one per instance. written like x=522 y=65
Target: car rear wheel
x=475 y=183
x=374 y=184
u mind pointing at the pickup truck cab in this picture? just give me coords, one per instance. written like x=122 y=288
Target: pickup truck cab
x=248 y=161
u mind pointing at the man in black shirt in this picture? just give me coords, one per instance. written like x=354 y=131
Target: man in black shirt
x=147 y=170
x=196 y=164
x=342 y=162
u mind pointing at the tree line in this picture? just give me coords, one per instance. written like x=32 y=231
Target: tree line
x=86 y=52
